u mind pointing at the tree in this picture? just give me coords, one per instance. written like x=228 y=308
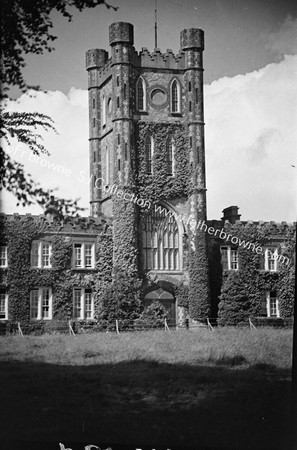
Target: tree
x=25 y=27
x=23 y=127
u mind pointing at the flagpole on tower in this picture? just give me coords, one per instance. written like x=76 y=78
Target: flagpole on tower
x=156 y=17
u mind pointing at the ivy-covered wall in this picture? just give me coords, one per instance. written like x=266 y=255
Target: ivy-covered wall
x=243 y=290
x=119 y=288
x=160 y=186
x=19 y=278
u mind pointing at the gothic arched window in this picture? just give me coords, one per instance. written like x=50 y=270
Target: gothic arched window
x=160 y=240
x=169 y=149
x=175 y=97
x=140 y=95
x=148 y=154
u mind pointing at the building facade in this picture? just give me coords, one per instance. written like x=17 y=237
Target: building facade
x=148 y=222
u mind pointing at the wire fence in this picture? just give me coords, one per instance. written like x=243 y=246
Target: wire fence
x=74 y=327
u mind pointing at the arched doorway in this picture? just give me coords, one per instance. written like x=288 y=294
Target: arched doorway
x=167 y=300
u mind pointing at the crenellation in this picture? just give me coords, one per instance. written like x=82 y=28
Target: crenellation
x=159 y=60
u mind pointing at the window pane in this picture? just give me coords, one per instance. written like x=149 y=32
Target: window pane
x=2 y=305
x=77 y=304
x=176 y=261
x=88 y=255
x=224 y=258
x=272 y=258
x=88 y=304
x=3 y=256
x=34 y=304
x=45 y=254
x=34 y=254
x=45 y=303
x=234 y=259
x=77 y=255
x=149 y=259
x=164 y=240
x=273 y=308
x=174 y=97
x=140 y=95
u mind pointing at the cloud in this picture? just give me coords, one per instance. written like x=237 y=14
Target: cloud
x=69 y=149
x=251 y=142
x=251 y=138
x=284 y=41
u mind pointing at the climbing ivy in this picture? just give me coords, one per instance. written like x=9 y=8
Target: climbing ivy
x=242 y=291
x=20 y=278
x=160 y=186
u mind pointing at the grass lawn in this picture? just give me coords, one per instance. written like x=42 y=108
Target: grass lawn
x=226 y=388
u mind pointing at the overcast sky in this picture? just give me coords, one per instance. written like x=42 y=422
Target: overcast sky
x=250 y=63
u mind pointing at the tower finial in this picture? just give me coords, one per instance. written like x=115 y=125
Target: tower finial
x=156 y=39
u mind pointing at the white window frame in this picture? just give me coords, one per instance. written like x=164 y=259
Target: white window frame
x=230 y=250
x=5 y=299
x=269 y=252
x=3 y=248
x=269 y=306
x=82 y=306
x=141 y=80
x=40 y=298
x=178 y=110
x=83 y=255
x=40 y=256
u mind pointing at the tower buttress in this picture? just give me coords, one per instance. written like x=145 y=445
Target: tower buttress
x=192 y=43
x=121 y=41
x=95 y=60
x=124 y=211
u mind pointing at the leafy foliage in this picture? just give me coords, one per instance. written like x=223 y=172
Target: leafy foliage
x=234 y=307
x=25 y=27
x=152 y=316
x=13 y=177
x=182 y=294
x=120 y=301
x=243 y=290
x=287 y=273
x=199 y=299
x=160 y=186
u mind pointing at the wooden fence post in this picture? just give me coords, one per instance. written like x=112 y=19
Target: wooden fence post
x=252 y=326
x=165 y=325
x=20 y=330
x=117 y=326
x=209 y=326
x=71 y=332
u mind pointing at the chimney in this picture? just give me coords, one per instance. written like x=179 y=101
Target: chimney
x=231 y=214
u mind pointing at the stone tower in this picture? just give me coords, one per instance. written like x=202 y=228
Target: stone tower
x=147 y=163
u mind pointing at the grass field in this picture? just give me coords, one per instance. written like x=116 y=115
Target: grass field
x=226 y=388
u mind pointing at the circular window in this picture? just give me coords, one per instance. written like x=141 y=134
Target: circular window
x=158 y=97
